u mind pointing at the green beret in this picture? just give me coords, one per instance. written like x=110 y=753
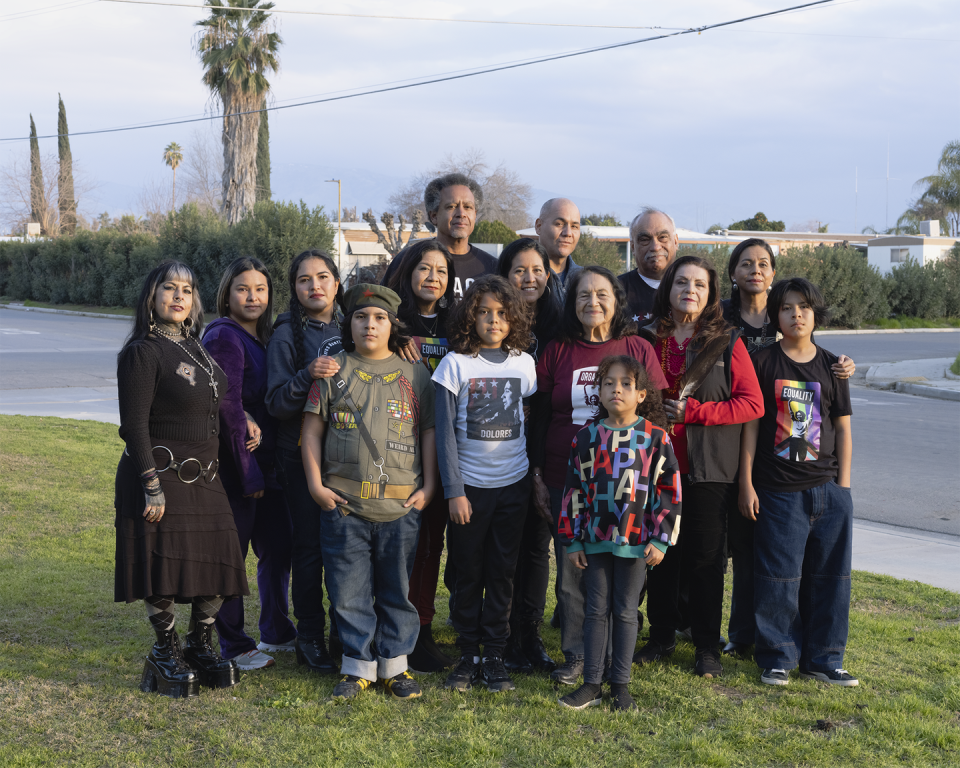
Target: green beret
x=369 y=295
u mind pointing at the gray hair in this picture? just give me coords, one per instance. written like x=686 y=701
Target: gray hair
x=431 y=195
x=645 y=211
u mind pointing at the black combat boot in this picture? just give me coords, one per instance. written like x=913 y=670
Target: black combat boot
x=200 y=653
x=166 y=672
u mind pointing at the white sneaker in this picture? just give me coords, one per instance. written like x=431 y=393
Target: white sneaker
x=277 y=647
x=254 y=660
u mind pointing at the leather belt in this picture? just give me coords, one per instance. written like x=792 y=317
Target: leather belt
x=369 y=490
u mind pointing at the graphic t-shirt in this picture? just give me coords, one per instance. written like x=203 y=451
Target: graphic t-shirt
x=753 y=338
x=468 y=267
x=395 y=400
x=796 y=445
x=639 y=296
x=490 y=435
x=430 y=336
x=568 y=373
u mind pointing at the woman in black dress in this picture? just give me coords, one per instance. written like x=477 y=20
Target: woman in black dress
x=176 y=538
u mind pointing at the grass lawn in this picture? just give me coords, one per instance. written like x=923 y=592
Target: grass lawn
x=70 y=661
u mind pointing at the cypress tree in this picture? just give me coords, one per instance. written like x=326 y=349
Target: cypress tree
x=38 y=203
x=263 y=158
x=68 y=206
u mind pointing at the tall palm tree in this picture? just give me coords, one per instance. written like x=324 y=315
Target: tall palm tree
x=173 y=156
x=237 y=45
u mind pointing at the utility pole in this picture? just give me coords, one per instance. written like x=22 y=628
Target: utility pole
x=856 y=197
x=339 y=230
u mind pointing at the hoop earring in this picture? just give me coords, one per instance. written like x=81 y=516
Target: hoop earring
x=186 y=325
x=153 y=323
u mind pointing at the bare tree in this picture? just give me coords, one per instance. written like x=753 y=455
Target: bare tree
x=203 y=170
x=506 y=197
x=19 y=198
x=392 y=239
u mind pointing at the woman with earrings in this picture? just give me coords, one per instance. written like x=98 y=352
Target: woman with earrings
x=424 y=282
x=751 y=268
x=237 y=340
x=300 y=352
x=176 y=537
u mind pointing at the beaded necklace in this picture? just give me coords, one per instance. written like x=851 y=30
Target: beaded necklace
x=207 y=369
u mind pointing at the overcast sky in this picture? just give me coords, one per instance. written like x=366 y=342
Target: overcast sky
x=775 y=115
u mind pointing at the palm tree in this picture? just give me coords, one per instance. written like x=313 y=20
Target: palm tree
x=943 y=188
x=237 y=46
x=173 y=156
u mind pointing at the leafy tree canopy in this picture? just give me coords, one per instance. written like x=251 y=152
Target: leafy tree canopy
x=759 y=223
x=601 y=220
x=493 y=232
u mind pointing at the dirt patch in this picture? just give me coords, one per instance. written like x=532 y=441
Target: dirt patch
x=883 y=607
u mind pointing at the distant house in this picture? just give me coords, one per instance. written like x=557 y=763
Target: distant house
x=888 y=251
x=358 y=247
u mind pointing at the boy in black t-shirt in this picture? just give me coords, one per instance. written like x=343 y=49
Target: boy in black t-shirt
x=795 y=483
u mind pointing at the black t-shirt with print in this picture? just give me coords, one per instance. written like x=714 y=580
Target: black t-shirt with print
x=754 y=338
x=639 y=296
x=468 y=268
x=431 y=336
x=796 y=445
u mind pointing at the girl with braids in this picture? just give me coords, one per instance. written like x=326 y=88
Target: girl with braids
x=304 y=341
x=752 y=268
x=424 y=282
x=176 y=537
x=621 y=510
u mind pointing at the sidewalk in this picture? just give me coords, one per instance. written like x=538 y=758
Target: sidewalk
x=906 y=553
x=927 y=378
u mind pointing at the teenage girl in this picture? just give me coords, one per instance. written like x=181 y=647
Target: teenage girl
x=621 y=510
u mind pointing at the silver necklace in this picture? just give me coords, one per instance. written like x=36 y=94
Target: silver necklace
x=207 y=369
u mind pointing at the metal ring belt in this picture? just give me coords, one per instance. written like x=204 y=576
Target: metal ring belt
x=208 y=473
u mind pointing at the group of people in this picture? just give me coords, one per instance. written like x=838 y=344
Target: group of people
x=498 y=407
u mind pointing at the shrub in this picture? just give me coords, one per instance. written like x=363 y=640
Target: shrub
x=602 y=253
x=493 y=232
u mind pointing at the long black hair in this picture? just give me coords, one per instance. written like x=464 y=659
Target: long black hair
x=298 y=314
x=143 y=312
x=732 y=266
x=401 y=282
x=546 y=321
x=571 y=329
x=236 y=268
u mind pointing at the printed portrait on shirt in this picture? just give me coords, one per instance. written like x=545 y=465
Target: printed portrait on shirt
x=798 y=420
x=584 y=394
x=494 y=409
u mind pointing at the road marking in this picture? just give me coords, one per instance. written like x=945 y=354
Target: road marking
x=18 y=332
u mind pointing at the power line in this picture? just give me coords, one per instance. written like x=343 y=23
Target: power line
x=395 y=18
x=17 y=16
x=445 y=78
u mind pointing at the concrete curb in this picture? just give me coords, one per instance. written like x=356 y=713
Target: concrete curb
x=22 y=308
x=935 y=392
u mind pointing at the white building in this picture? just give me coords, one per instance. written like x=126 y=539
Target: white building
x=888 y=251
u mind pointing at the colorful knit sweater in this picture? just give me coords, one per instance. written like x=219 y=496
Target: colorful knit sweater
x=622 y=490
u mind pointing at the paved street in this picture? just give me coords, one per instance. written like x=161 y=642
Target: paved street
x=906 y=466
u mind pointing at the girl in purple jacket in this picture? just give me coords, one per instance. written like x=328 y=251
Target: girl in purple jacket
x=237 y=341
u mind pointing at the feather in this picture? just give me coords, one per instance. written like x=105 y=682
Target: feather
x=702 y=363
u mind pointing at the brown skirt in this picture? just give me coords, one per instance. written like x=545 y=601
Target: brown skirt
x=194 y=549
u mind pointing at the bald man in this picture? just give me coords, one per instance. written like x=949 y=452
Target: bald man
x=654 y=238
x=558 y=227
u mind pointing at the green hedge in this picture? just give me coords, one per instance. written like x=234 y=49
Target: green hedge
x=107 y=268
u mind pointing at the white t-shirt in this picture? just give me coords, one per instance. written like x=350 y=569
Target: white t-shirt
x=490 y=438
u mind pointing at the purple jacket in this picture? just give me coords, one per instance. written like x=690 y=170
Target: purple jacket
x=244 y=359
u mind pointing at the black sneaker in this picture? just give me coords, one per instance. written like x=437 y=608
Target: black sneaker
x=587 y=695
x=463 y=675
x=350 y=687
x=568 y=673
x=622 y=700
x=652 y=652
x=494 y=675
x=775 y=677
x=402 y=686
x=834 y=677
x=708 y=663
x=313 y=655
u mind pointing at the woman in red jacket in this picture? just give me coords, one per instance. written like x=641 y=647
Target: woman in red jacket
x=711 y=392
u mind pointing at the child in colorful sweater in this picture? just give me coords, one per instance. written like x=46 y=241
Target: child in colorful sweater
x=621 y=510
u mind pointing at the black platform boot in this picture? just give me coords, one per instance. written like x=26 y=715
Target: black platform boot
x=514 y=659
x=532 y=645
x=200 y=653
x=166 y=672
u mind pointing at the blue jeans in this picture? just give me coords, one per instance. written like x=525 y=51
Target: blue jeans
x=613 y=592
x=802 y=552
x=368 y=579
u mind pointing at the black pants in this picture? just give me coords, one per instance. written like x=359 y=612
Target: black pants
x=743 y=623
x=533 y=572
x=485 y=552
x=695 y=565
